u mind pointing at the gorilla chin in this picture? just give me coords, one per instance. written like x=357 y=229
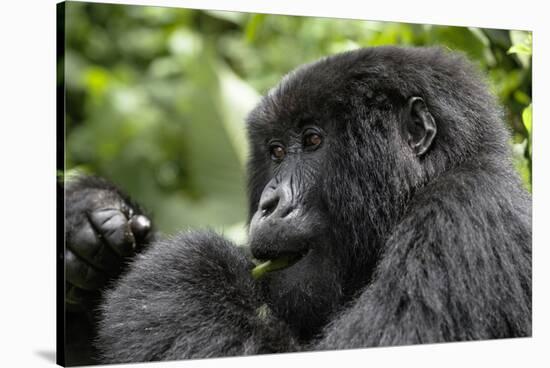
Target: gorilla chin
x=306 y=293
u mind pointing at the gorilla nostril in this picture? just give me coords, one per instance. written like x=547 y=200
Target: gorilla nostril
x=286 y=211
x=267 y=207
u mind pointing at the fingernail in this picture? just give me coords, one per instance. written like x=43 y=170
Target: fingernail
x=140 y=226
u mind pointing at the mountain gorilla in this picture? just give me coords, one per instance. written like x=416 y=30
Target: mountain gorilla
x=380 y=183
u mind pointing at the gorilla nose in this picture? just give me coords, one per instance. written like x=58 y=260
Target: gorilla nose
x=275 y=204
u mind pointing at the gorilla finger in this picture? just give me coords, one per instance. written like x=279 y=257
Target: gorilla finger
x=81 y=274
x=86 y=244
x=141 y=226
x=113 y=227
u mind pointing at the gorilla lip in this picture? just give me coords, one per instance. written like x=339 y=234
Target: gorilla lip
x=276 y=264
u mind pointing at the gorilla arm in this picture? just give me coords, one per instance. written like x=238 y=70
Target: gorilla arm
x=191 y=296
x=451 y=271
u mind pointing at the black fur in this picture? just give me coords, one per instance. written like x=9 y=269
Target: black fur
x=400 y=248
x=190 y=296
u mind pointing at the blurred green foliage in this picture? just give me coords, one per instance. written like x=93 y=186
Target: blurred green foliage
x=156 y=97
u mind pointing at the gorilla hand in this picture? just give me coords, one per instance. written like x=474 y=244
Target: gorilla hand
x=103 y=229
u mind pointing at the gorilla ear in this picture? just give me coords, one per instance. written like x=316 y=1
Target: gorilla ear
x=419 y=126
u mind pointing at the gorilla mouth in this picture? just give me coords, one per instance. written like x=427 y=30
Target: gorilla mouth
x=277 y=264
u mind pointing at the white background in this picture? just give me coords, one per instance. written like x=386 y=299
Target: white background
x=27 y=180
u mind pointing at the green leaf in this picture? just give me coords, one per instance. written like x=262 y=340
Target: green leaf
x=72 y=173
x=272 y=265
x=521 y=163
x=236 y=100
x=96 y=80
x=523 y=40
x=522 y=97
x=253 y=25
x=520 y=49
x=527 y=117
x=458 y=38
x=229 y=16
x=522 y=46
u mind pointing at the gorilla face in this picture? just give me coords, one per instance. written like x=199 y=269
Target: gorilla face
x=291 y=221
x=334 y=154
x=296 y=137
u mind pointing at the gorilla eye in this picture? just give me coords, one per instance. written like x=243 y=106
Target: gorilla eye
x=277 y=152
x=312 y=140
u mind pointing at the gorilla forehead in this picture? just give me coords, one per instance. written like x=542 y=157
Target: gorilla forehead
x=345 y=88
x=327 y=87
x=313 y=92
